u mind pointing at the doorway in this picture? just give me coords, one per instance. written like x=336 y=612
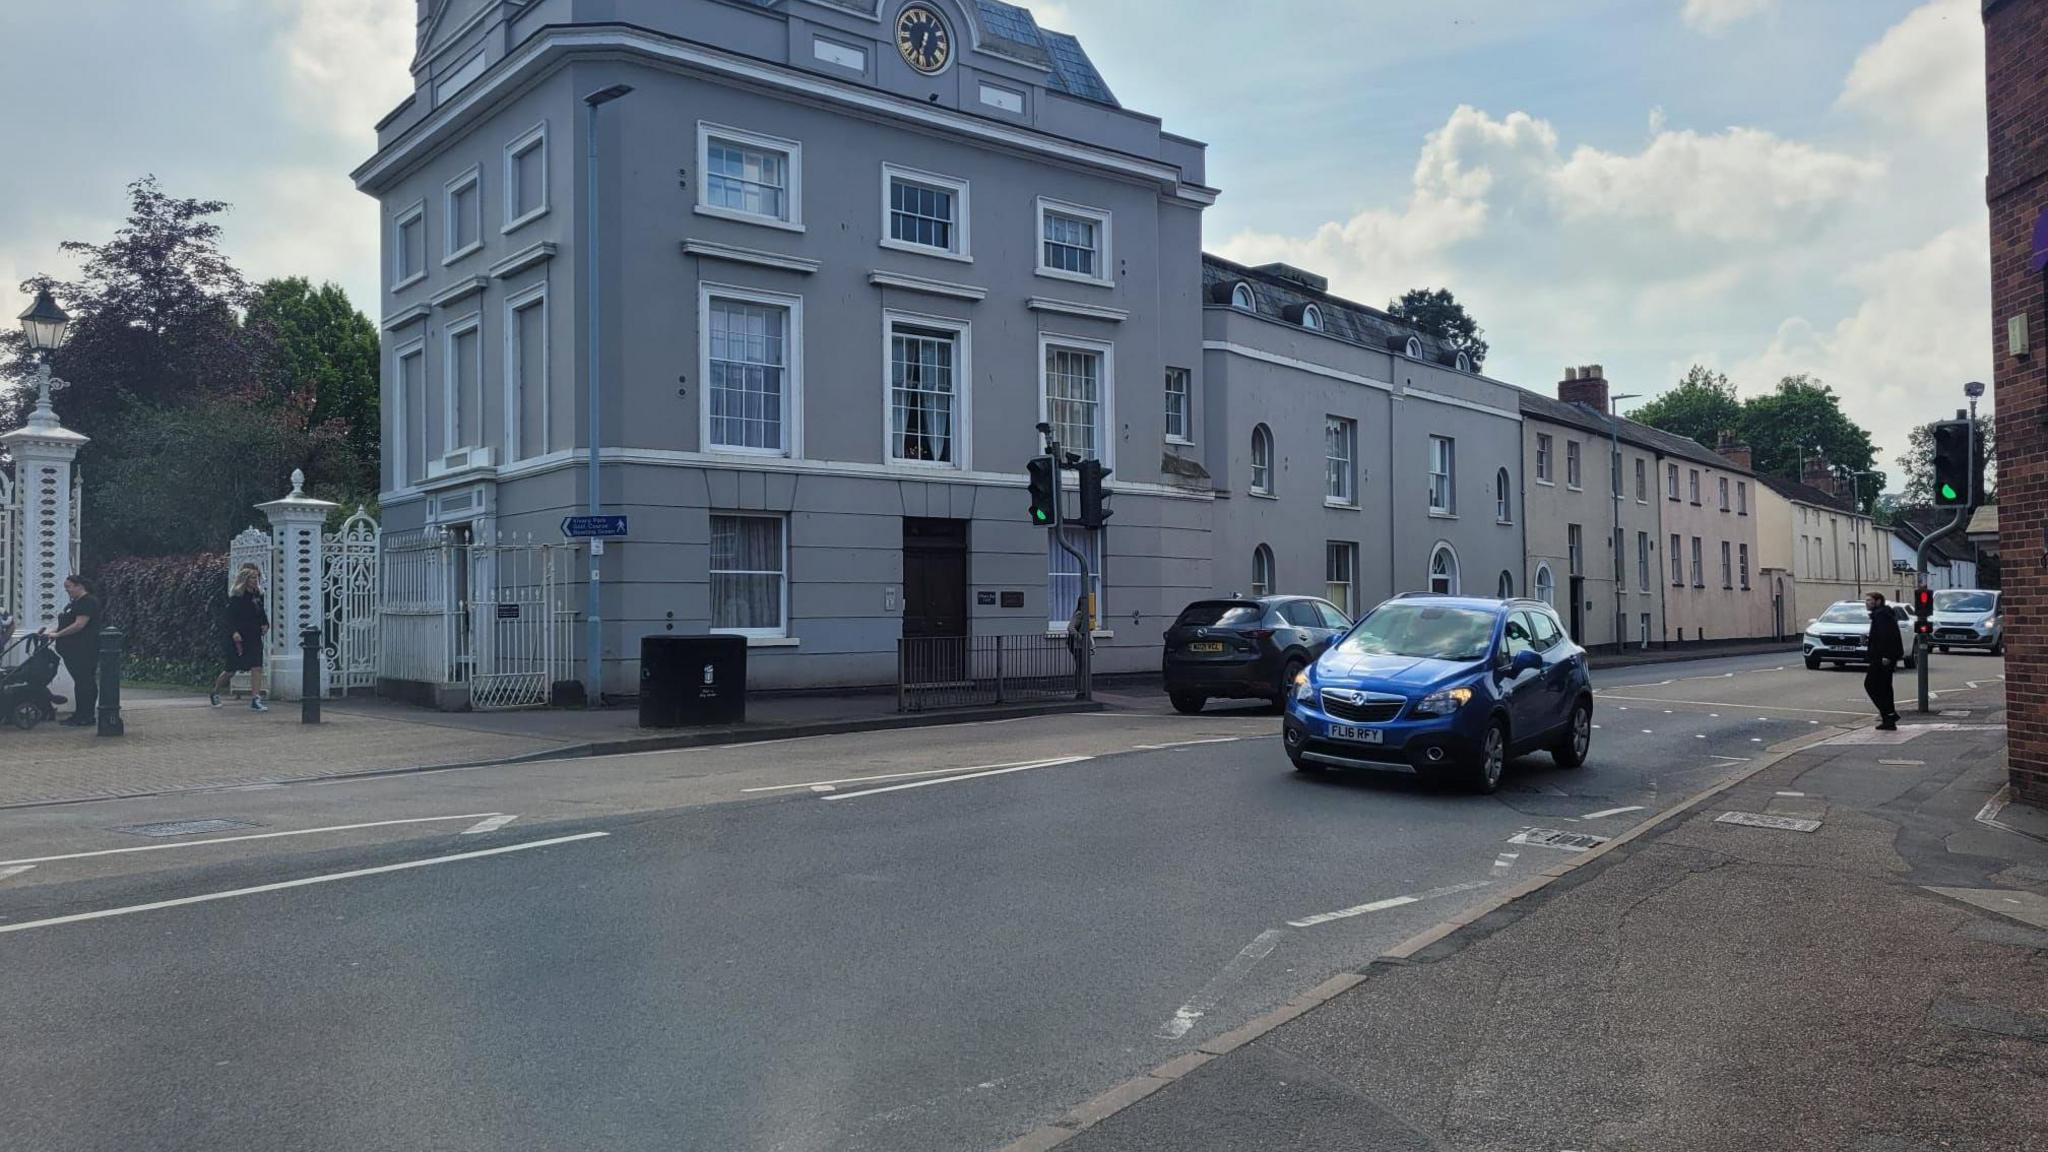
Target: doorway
x=1578 y=612
x=935 y=598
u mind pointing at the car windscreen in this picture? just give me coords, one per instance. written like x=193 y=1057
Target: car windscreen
x=1219 y=614
x=1960 y=600
x=1428 y=631
x=1847 y=612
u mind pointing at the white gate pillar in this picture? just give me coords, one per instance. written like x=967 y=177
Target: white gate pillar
x=44 y=451
x=297 y=596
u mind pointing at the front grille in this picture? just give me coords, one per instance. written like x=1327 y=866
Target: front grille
x=1370 y=712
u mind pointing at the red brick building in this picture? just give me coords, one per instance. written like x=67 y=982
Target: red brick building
x=2016 y=95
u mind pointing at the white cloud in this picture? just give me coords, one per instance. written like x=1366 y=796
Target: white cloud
x=1717 y=15
x=1741 y=184
x=347 y=61
x=1927 y=72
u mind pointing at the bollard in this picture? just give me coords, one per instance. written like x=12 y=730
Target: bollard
x=112 y=645
x=309 y=681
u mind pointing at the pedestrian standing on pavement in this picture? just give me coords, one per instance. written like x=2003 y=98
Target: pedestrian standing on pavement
x=78 y=644
x=1886 y=650
x=248 y=620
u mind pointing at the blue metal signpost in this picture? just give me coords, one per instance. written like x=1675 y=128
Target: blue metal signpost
x=593 y=527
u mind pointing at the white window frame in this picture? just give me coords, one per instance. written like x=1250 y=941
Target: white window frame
x=1261 y=432
x=792 y=370
x=1643 y=562
x=962 y=248
x=534 y=297
x=1349 y=471
x=1545 y=584
x=1743 y=549
x=1187 y=404
x=1692 y=487
x=1056 y=618
x=963 y=376
x=1104 y=253
x=1671 y=482
x=473 y=178
x=1242 y=298
x=451 y=422
x=1574 y=466
x=1699 y=563
x=416 y=211
x=1546 y=462
x=1721 y=482
x=1312 y=318
x=1412 y=348
x=1347 y=550
x=1742 y=497
x=1105 y=405
x=792 y=219
x=776 y=633
x=1503 y=497
x=1262 y=558
x=1677 y=560
x=401 y=437
x=533 y=139
x=1575 y=549
x=1727 y=565
x=1464 y=364
x=1642 y=481
x=1444 y=548
x=1449 y=507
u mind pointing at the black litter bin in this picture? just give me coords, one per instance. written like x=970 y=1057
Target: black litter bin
x=692 y=680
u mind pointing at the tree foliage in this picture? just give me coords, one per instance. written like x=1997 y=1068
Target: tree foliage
x=1438 y=313
x=1702 y=407
x=200 y=393
x=1783 y=427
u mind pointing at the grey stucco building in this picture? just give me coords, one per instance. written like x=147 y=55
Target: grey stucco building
x=1356 y=458
x=852 y=253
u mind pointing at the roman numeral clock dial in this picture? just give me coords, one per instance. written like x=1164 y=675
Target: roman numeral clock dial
x=922 y=38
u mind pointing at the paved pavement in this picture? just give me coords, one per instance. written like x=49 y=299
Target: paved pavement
x=936 y=939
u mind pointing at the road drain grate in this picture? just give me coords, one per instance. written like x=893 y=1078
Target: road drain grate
x=1758 y=820
x=1553 y=838
x=185 y=827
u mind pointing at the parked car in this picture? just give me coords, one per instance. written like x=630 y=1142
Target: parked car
x=1245 y=647
x=1444 y=685
x=1841 y=635
x=1969 y=618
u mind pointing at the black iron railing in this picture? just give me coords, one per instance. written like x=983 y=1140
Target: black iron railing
x=964 y=671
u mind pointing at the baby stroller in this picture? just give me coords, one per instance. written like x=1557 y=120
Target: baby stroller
x=25 y=698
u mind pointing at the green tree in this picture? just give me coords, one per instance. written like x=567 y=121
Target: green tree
x=1438 y=313
x=1701 y=407
x=313 y=338
x=1917 y=463
x=1783 y=427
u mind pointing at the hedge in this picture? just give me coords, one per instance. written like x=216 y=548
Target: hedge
x=173 y=610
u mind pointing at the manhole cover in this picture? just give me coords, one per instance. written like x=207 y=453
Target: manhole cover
x=1553 y=838
x=185 y=827
x=1758 y=820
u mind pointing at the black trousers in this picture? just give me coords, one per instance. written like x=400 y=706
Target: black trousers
x=84 y=666
x=1877 y=683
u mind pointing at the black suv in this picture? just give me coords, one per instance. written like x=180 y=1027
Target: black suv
x=1245 y=648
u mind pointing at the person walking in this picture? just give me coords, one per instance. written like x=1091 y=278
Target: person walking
x=248 y=620
x=78 y=645
x=1886 y=650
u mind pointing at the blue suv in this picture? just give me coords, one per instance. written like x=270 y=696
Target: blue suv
x=1443 y=685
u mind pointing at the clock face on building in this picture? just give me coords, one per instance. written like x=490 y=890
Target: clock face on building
x=922 y=38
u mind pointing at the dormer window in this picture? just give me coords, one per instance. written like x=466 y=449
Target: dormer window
x=1312 y=318
x=1464 y=362
x=1412 y=349
x=1241 y=298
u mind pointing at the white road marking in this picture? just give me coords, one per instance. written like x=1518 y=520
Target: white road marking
x=823 y=788
x=1185 y=743
x=1756 y=739
x=954 y=779
x=491 y=825
x=813 y=784
x=1596 y=727
x=1731 y=759
x=15 y=870
x=1606 y=812
x=280 y=886
x=1726 y=704
x=1382 y=905
x=1903 y=763
x=1799 y=794
x=1647 y=732
x=237 y=839
x=1506 y=859
x=1201 y=1002
x=1699 y=736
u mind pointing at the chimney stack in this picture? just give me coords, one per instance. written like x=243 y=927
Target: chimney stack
x=1819 y=474
x=1735 y=452
x=1585 y=384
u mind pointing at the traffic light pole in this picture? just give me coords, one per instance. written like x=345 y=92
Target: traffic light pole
x=1084 y=653
x=1921 y=648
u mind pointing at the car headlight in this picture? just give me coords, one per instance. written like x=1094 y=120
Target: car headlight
x=1304 y=691
x=1987 y=622
x=1443 y=703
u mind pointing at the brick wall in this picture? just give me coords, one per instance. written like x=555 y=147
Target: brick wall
x=2016 y=93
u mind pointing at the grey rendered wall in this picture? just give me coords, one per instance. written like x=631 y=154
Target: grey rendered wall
x=1485 y=441
x=1553 y=507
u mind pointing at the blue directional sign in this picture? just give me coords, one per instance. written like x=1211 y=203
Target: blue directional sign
x=589 y=527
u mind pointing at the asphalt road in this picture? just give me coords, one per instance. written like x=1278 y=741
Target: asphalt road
x=847 y=957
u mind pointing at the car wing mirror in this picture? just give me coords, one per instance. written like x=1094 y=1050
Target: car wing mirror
x=1525 y=661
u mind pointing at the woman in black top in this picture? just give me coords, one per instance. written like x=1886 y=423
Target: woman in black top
x=248 y=619
x=78 y=643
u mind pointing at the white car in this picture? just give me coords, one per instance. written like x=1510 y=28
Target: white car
x=1841 y=635
x=1969 y=618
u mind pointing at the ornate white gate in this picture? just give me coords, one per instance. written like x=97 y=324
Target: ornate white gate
x=489 y=615
x=351 y=585
x=10 y=550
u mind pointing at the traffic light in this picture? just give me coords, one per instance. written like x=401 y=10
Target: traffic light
x=1956 y=482
x=1045 y=491
x=1923 y=611
x=1093 y=510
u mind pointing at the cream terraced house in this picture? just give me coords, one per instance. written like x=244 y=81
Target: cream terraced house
x=1820 y=548
x=844 y=273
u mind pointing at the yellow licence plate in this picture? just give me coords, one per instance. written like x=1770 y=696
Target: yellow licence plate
x=1205 y=646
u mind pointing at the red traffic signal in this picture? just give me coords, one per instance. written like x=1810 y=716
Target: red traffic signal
x=1923 y=602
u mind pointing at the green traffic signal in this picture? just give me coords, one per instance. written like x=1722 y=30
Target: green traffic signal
x=1948 y=493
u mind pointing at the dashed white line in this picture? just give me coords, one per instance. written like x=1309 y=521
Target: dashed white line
x=1382 y=905
x=15 y=870
x=1185 y=743
x=1606 y=812
x=1647 y=732
x=954 y=779
x=1903 y=763
x=491 y=825
x=1731 y=759
x=280 y=886
x=1201 y=1002
x=238 y=839
x=814 y=784
x=1506 y=859
x=1793 y=794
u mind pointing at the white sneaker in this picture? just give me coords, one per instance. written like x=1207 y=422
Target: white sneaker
x=256 y=704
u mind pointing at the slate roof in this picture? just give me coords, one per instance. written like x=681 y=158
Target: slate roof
x=1911 y=524
x=1541 y=407
x=1807 y=494
x=1282 y=298
x=1010 y=30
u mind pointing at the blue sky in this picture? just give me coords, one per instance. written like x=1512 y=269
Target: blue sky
x=1765 y=186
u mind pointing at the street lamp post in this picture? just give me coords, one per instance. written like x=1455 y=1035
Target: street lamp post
x=1856 y=501
x=45 y=325
x=593 y=654
x=1614 y=480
